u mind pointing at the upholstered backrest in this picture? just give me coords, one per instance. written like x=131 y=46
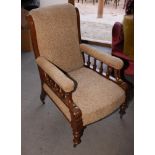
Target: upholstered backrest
x=57 y=35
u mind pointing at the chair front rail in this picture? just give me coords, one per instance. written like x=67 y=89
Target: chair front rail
x=108 y=73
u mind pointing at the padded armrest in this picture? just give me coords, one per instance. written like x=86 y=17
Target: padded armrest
x=110 y=60
x=56 y=74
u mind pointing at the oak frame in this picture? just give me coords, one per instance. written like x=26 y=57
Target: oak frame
x=66 y=97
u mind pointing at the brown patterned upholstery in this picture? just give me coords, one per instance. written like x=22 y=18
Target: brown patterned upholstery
x=57 y=35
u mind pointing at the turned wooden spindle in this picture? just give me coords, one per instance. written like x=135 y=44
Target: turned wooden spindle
x=117 y=74
x=88 y=62
x=94 y=66
x=109 y=71
x=83 y=57
x=101 y=68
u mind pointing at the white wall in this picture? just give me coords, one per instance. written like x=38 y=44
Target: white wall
x=51 y=2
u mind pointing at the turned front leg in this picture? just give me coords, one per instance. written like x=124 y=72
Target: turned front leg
x=77 y=126
x=123 y=108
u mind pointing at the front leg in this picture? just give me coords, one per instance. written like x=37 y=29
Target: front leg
x=123 y=108
x=77 y=126
x=124 y=86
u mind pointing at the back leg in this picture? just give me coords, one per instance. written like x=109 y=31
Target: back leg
x=123 y=108
x=42 y=96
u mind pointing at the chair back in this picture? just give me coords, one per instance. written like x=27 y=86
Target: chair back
x=57 y=35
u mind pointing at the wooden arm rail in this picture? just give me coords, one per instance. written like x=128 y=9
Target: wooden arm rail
x=110 y=72
x=110 y=60
x=57 y=75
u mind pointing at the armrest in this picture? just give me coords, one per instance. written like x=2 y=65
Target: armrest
x=57 y=75
x=112 y=61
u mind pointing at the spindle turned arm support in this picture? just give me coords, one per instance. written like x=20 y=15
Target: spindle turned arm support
x=107 y=59
x=114 y=64
x=56 y=74
x=63 y=87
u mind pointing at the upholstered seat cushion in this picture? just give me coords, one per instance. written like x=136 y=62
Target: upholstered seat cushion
x=96 y=96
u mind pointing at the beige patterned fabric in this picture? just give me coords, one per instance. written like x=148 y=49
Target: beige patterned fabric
x=96 y=96
x=58 y=76
x=112 y=61
x=57 y=35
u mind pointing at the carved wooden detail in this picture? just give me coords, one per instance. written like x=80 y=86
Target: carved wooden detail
x=109 y=72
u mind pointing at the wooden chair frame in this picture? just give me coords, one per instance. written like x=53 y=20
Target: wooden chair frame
x=75 y=112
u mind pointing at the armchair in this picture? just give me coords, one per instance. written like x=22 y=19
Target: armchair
x=82 y=91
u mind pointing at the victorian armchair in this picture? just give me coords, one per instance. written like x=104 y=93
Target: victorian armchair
x=82 y=91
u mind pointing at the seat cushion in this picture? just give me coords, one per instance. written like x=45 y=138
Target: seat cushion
x=96 y=96
x=57 y=35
